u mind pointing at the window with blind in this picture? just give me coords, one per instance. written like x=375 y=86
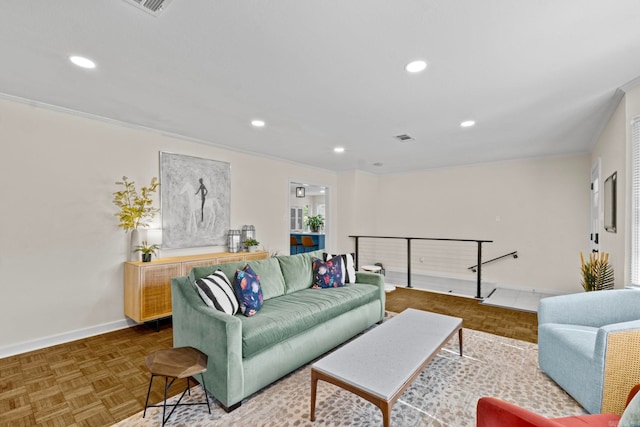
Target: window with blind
x=635 y=201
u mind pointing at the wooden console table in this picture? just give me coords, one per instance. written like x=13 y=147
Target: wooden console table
x=147 y=285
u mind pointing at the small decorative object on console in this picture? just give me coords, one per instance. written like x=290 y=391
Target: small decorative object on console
x=251 y=244
x=147 y=250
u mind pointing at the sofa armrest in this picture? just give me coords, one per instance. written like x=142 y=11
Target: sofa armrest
x=593 y=309
x=216 y=334
x=374 y=279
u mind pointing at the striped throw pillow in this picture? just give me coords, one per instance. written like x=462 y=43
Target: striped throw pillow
x=216 y=291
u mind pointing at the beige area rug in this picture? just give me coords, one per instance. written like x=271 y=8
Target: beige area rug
x=445 y=393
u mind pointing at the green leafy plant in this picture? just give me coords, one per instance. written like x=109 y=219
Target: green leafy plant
x=314 y=222
x=135 y=209
x=597 y=273
x=251 y=242
x=147 y=249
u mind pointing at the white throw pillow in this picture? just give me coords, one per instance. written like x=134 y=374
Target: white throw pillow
x=216 y=291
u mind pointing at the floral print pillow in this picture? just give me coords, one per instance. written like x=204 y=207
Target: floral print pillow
x=248 y=290
x=327 y=274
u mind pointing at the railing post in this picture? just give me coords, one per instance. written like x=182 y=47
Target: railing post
x=479 y=286
x=409 y=263
x=357 y=252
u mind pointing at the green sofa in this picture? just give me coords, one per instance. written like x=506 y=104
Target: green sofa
x=295 y=325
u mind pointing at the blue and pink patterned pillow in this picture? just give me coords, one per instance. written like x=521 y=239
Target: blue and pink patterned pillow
x=248 y=290
x=327 y=274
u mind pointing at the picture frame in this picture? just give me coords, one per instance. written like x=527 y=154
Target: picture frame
x=195 y=201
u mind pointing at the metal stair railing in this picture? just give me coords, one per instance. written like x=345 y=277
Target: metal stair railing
x=514 y=254
x=409 y=239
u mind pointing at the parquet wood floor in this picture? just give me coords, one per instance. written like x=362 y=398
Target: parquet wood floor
x=101 y=380
x=516 y=324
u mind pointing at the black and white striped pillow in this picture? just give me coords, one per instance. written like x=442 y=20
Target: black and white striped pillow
x=216 y=291
x=348 y=266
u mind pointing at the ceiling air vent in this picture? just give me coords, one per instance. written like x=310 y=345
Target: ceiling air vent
x=404 y=138
x=154 y=7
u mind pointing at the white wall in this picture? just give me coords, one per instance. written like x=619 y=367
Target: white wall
x=611 y=149
x=61 y=252
x=538 y=207
x=359 y=204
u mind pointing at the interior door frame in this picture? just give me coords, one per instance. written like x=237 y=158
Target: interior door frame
x=595 y=204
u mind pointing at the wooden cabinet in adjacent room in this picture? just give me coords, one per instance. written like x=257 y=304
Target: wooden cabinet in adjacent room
x=147 y=285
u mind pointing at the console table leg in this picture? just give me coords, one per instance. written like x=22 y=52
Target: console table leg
x=460 y=340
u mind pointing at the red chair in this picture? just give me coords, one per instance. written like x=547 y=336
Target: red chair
x=493 y=412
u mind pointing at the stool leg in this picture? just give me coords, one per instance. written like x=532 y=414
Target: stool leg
x=164 y=404
x=146 y=403
x=188 y=386
x=206 y=396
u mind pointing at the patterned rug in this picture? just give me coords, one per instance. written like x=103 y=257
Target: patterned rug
x=445 y=393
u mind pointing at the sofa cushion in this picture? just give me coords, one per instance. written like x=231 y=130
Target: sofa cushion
x=292 y=314
x=296 y=270
x=249 y=292
x=329 y=274
x=216 y=291
x=268 y=269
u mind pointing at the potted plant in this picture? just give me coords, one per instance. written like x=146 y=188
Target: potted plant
x=597 y=273
x=135 y=209
x=314 y=222
x=146 y=250
x=251 y=244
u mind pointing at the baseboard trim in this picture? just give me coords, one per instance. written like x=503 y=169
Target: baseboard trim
x=40 y=343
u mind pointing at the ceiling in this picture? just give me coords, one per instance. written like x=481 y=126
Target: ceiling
x=539 y=77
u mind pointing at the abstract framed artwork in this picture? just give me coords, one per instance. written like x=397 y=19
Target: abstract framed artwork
x=195 y=201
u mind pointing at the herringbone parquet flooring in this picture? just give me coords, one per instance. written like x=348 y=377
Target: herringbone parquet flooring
x=100 y=380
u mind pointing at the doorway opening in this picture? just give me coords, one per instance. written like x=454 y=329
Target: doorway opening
x=307 y=201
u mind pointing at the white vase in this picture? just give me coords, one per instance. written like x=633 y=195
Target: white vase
x=133 y=243
x=252 y=248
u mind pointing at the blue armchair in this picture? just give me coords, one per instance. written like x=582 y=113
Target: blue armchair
x=589 y=344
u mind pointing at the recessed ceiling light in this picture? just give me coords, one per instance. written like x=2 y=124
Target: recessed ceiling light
x=416 y=66
x=258 y=123
x=339 y=149
x=467 y=124
x=82 y=62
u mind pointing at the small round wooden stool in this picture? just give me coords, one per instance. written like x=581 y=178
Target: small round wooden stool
x=182 y=362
